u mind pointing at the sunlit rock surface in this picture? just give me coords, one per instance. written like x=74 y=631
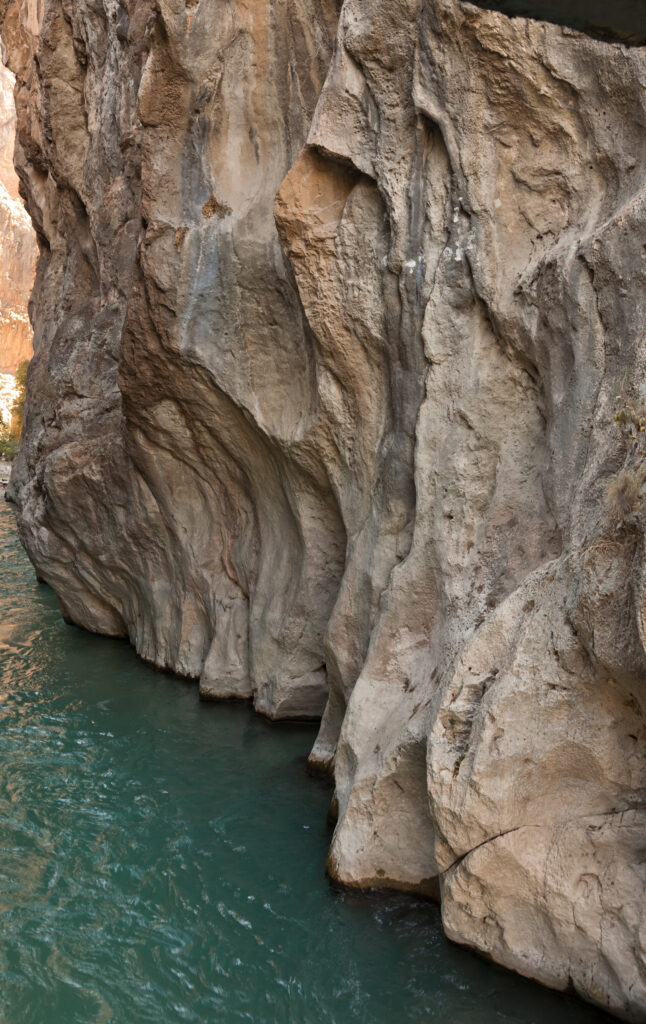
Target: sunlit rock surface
x=17 y=245
x=8 y=395
x=331 y=340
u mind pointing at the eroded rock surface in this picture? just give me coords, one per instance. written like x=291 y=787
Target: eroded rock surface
x=621 y=21
x=17 y=248
x=331 y=342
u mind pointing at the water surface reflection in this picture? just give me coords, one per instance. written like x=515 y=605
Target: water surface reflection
x=163 y=861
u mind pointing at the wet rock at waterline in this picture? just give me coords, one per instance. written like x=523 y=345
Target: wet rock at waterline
x=167 y=897
x=337 y=404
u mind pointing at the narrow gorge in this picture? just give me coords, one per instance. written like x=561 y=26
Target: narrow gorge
x=338 y=405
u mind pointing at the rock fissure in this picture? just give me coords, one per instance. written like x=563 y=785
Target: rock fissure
x=491 y=839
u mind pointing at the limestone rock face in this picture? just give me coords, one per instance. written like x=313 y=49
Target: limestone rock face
x=17 y=247
x=337 y=404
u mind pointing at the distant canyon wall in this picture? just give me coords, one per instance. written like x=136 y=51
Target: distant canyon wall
x=338 y=404
x=18 y=249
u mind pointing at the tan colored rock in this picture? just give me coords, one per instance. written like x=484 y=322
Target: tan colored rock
x=517 y=690
x=17 y=244
x=166 y=134
x=364 y=463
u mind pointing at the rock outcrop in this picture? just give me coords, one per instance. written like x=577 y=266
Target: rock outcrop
x=337 y=404
x=17 y=249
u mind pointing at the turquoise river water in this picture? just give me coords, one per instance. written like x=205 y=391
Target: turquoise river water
x=162 y=860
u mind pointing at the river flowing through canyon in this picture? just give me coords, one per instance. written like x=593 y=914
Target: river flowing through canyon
x=162 y=860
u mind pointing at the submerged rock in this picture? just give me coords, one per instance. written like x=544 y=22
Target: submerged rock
x=337 y=404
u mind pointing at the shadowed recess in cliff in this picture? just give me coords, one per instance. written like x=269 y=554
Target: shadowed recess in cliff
x=622 y=21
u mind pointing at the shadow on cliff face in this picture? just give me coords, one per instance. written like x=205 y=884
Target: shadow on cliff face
x=622 y=21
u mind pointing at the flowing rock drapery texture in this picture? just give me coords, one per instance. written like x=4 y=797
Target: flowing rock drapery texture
x=337 y=403
x=17 y=251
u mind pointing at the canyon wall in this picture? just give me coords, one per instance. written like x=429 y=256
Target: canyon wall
x=621 y=21
x=17 y=251
x=337 y=404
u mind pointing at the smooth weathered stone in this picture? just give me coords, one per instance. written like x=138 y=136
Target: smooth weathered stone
x=330 y=346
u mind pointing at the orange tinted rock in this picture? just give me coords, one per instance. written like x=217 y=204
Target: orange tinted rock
x=17 y=244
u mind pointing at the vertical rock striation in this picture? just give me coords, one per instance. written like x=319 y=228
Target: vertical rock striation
x=337 y=403
x=173 y=364
x=504 y=680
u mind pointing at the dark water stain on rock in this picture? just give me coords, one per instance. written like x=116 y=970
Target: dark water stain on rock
x=623 y=21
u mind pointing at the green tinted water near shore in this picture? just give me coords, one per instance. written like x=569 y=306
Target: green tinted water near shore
x=162 y=860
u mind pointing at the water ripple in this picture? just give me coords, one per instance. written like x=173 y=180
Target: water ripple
x=163 y=861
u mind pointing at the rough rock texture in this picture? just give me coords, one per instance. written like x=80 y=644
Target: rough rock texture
x=621 y=21
x=369 y=468
x=17 y=246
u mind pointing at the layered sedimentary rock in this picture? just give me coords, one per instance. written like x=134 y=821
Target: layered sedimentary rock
x=336 y=404
x=17 y=247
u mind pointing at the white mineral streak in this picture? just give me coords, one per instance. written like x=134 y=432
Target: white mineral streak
x=361 y=467
x=8 y=395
